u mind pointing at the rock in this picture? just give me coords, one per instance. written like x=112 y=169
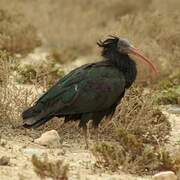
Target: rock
x=49 y=138
x=174 y=110
x=3 y=142
x=166 y=175
x=4 y=161
x=33 y=151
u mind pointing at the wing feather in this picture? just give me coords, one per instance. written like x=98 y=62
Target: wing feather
x=87 y=89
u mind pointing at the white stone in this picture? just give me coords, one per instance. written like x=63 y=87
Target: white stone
x=33 y=151
x=174 y=110
x=49 y=138
x=166 y=175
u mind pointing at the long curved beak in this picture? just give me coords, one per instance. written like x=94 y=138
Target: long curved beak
x=137 y=53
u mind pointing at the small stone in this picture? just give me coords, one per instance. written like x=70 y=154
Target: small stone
x=174 y=110
x=166 y=175
x=4 y=160
x=49 y=138
x=3 y=142
x=33 y=151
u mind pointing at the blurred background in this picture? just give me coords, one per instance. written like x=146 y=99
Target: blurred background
x=67 y=31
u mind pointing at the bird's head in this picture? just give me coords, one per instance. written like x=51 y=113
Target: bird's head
x=117 y=45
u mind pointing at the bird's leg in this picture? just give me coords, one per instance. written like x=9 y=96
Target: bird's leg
x=83 y=123
x=86 y=136
x=97 y=117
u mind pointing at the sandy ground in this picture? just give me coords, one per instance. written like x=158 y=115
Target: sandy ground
x=19 y=146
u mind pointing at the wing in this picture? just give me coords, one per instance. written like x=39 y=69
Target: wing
x=89 y=88
x=56 y=90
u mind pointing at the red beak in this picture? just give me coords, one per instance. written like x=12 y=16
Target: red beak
x=144 y=59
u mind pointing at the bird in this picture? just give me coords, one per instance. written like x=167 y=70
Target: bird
x=91 y=91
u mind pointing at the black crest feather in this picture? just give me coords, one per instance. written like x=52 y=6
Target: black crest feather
x=113 y=40
x=108 y=45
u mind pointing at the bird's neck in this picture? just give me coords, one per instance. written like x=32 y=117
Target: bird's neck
x=126 y=65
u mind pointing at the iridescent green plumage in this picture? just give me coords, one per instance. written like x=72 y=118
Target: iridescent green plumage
x=89 y=92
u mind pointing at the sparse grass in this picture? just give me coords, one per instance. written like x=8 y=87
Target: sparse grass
x=171 y=81
x=13 y=98
x=16 y=34
x=44 y=168
x=139 y=131
x=137 y=114
x=5 y=60
x=45 y=74
x=146 y=160
x=168 y=90
x=63 y=56
x=169 y=96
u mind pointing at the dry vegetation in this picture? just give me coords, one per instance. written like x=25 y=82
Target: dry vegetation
x=55 y=170
x=70 y=32
x=44 y=74
x=168 y=90
x=139 y=131
x=13 y=98
x=69 y=29
x=16 y=34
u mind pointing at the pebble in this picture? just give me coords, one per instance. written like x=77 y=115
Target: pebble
x=3 y=142
x=33 y=151
x=49 y=139
x=174 y=110
x=4 y=160
x=166 y=175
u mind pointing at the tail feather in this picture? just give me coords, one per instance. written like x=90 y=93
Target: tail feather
x=35 y=117
x=40 y=113
x=33 y=123
x=32 y=111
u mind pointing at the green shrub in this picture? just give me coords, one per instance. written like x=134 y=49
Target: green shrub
x=168 y=90
x=46 y=73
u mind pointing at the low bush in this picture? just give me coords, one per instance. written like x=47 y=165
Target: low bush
x=138 y=133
